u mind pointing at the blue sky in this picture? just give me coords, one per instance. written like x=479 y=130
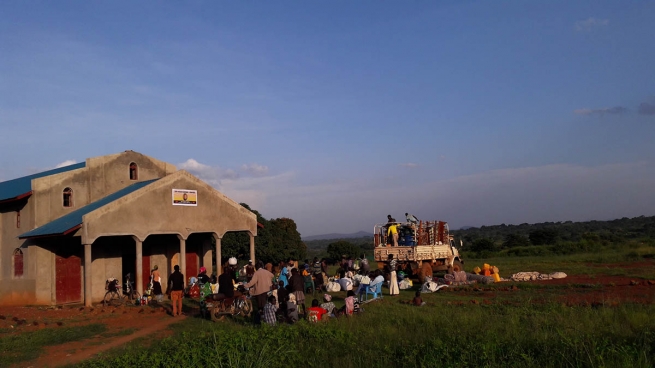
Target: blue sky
x=338 y=113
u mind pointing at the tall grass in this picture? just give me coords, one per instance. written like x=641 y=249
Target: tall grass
x=392 y=334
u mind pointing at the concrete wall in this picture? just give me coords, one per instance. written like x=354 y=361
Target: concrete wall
x=150 y=211
x=102 y=176
x=15 y=291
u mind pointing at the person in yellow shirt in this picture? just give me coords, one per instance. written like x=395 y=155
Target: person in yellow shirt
x=393 y=232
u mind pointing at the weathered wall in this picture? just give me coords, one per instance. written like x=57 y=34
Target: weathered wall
x=111 y=173
x=100 y=177
x=15 y=291
x=150 y=211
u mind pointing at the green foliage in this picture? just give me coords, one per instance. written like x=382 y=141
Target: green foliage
x=550 y=238
x=278 y=240
x=483 y=245
x=515 y=240
x=340 y=248
x=387 y=334
x=28 y=345
x=543 y=236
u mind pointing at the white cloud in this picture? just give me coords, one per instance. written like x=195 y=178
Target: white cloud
x=590 y=23
x=616 y=110
x=410 y=165
x=65 y=163
x=255 y=169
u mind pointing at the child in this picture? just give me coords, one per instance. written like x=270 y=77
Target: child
x=349 y=308
x=417 y=301
x=291 y=311
x=270 y=310
x=328 y=305
x=316 y=313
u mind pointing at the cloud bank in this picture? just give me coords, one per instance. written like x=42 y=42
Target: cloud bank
x=590 y=23
x=617 y=110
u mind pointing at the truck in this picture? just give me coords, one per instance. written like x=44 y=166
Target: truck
x=423 y=248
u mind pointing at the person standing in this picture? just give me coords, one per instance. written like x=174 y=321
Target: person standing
x=156 y=284
x=297 y=283
x=393 y=232
x=411 y=218
x=176 y=288
x=225 y=283
x=284 y=273
x=250 y=270
x=364 y=267
x=261 y=284
x=393 y=281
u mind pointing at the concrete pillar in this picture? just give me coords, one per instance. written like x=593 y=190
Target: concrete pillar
x=139 y=266
x=252 y=248
x=219 y=266
x=87 y=275
x=183 y=258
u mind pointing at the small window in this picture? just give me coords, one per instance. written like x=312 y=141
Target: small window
x=18 y=219
x=18 y=263
x=134 y=171
x=68 y=197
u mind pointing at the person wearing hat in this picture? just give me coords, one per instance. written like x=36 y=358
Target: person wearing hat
x=202 y=276
x=250 y=270
x=156 y=283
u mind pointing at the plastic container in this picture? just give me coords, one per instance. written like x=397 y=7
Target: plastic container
x=496 y=277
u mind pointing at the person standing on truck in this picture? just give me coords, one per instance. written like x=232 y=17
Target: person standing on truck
x=411 y=218
x=393 y=281
x=390 y=219
x=393 y=233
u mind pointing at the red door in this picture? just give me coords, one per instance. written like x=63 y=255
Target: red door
x=146 y=271
x=68 y=271
x=191 y=265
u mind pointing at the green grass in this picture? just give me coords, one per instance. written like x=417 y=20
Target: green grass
x=490 y=327
x=28 y=345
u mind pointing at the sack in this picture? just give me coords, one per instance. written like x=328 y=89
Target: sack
x=404 y=285
x=333 y=287
x=429 y=287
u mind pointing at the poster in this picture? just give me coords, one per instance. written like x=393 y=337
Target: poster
x=185 y=197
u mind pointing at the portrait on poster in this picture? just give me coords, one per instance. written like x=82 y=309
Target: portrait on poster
x=185 y=197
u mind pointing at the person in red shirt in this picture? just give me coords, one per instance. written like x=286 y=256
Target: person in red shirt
x=315 y=313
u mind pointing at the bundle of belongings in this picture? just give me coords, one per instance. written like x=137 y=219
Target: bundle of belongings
x=333 y=287
x=430 y=286
x=405 y=284
x=532 y=276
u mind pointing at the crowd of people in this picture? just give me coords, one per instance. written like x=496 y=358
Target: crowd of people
x=278 y=293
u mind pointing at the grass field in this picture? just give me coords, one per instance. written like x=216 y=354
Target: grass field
x=497 y=326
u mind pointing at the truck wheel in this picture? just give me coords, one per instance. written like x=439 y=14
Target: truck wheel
x=457 y=266
x=426 y=270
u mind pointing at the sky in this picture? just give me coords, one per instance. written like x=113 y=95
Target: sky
x=338 y=113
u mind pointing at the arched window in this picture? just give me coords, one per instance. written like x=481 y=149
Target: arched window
x=68 y=197
x=134 y=171
x=18 y=263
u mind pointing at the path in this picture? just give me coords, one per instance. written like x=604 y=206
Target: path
x=86 y=352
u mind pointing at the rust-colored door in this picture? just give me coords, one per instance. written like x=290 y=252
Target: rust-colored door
x=146 y=272
x=68 y=279
x=191 y=264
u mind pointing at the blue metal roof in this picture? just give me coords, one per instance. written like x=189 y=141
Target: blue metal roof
x=73 y=219
x=14 y=188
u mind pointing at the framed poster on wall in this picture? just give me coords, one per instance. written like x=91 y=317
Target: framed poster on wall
x=185 y=197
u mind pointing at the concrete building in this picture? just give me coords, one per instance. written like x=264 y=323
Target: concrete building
x=63 y=232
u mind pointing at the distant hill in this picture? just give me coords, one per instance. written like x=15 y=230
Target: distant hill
x=359 y=234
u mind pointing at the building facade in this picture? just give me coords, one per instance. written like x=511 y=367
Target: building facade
x=63 y=232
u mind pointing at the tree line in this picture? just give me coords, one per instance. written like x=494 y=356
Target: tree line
x=553 y=237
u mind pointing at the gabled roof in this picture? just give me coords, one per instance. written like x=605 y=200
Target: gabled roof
x=22 y=187
x=72 y=221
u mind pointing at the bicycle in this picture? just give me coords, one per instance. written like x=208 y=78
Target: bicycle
x=113 y=298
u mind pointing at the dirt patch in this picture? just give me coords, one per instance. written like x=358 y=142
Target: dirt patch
x=77 y=351
x=123 y=323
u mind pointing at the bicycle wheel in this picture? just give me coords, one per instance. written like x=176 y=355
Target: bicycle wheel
x=112 y=298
